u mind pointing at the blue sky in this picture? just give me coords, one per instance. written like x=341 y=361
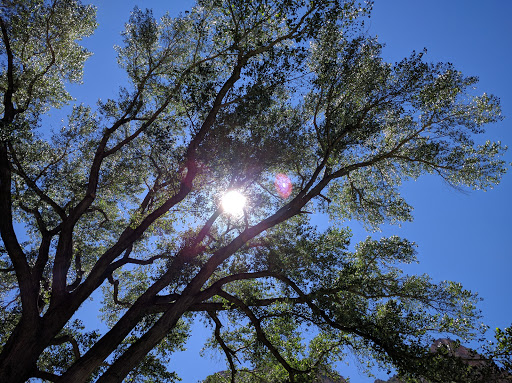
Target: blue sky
x=465 y=237
x=461 y=236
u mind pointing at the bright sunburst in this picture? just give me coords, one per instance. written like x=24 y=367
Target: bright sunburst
x=233 y=202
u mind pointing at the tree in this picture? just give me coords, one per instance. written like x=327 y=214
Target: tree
x=286 y=102
x=500 y=352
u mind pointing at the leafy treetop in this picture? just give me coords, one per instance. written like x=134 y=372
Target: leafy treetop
x=228 y=96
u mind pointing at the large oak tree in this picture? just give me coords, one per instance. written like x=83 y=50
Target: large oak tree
x=285 y=102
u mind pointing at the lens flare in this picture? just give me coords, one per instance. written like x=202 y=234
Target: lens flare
x=233 y=203
x=283 y=185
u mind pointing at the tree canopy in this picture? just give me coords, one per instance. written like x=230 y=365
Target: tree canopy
x=290 y=105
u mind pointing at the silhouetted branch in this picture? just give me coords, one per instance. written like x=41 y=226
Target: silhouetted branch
x=227 y=351
x=65 y=339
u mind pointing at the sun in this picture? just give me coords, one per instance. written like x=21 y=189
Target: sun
x=233 y=202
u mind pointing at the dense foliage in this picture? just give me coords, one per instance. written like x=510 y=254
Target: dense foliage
x=286 y=102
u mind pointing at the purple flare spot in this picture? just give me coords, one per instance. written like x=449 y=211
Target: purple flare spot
x=283 y=185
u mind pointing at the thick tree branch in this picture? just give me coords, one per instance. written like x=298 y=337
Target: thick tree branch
x=95 y=356
x=28 y=289
x=46 y=376
x=16 y=254
x=9 y=110
x=140 y=307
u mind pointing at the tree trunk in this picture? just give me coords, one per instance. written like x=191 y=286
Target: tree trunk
x=18 y=360
x=134 y=355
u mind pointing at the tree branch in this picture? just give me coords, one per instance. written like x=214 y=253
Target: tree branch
x=48 y=67
x=163 y=304
x=115 y=283
x=120 y=263
x=46 y=376
x=261 y=335
x=93 y=208
x=67 y=339
x=227 y=351
x=78 y=270
x=44 y=197
x=9 y=110
x=28 y=292
x=351 y=329
x=217 y=286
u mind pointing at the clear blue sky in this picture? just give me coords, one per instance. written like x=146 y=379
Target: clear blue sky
x=465 y=237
